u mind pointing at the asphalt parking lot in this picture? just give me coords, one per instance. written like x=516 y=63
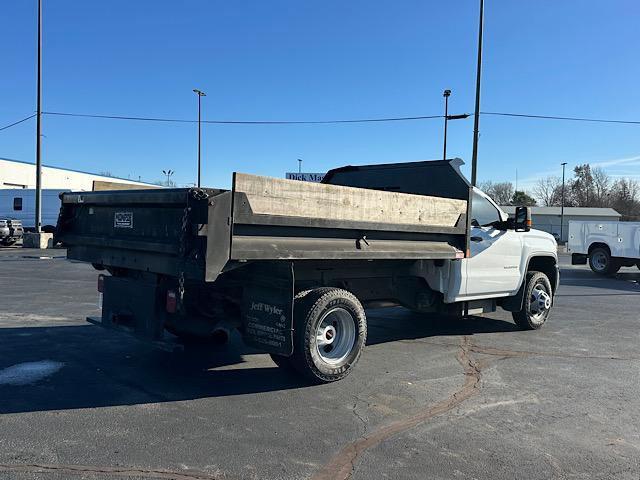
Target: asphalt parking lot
x=431 y=398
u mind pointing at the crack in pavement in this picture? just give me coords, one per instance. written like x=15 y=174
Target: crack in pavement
x=107 y=471
x=342 y=465
x=358 y=416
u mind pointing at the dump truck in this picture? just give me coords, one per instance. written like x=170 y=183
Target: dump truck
x=292 y=265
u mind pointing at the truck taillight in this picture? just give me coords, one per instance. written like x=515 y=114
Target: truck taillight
x=101 y=283
x=172 y=301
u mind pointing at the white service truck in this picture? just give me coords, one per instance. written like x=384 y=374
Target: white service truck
x=607 y=246
x=292 y=264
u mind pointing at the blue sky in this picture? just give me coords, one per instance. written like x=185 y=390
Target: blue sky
x=298 y=60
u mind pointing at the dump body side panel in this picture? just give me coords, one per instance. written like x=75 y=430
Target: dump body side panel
x=277 y=219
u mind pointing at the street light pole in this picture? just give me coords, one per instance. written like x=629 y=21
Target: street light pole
x=200 y=95
x=168 y=173
x=476 y=120
x=38 y=219
x=562 y=204
x=445 y=94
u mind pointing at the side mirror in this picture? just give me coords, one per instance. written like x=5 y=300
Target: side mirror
x=522 y=220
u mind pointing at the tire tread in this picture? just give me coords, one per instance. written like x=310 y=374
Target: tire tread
x=307 y=304
x=521 y=317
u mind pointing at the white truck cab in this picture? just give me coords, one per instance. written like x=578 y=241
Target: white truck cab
x=502 y=263
x=500 y=256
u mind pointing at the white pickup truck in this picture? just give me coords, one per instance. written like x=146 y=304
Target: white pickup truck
x=292 y=264
x=607 y=246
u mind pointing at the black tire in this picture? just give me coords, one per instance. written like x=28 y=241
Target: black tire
x=7 y=243
x=311 y=308
x=601 y=262
x=527 y=318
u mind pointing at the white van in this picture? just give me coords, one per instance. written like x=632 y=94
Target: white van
x=20 y=204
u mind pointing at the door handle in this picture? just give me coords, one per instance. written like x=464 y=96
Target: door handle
x=476 y=239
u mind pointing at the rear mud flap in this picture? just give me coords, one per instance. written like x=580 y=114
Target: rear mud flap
x=136 y=308
x=267 y=308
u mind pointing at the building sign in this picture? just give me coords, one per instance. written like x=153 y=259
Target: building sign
x=305 y=176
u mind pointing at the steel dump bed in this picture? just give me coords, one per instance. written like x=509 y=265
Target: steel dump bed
x=396 y=211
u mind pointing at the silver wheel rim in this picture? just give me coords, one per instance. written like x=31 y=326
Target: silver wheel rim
x=540 y=303
x=335 y=335
x=599 y=261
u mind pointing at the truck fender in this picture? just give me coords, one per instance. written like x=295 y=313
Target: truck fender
x=546 y=264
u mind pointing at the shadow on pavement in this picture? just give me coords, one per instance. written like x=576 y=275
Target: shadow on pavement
x=103 y=368
x=627 y=281
x=389 y=325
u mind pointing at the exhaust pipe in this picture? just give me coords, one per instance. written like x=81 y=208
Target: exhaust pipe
x=220 y=335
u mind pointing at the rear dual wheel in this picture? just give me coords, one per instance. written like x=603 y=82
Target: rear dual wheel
x=330 y=331
x=601 y=262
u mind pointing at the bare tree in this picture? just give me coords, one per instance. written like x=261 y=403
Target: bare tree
x=548 y=191
x=601 y=184
x=500 y=192
x=625 y=198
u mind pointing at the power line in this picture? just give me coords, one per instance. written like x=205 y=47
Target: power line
x=358 y=120
x=319 y=122
x=120 y=117
x=551 y=117
x=18 y=122
x=247 y=122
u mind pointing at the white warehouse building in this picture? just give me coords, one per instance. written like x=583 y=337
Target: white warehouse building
x=548 y=218
x=19 y=174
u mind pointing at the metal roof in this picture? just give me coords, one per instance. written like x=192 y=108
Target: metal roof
x=77 y=171
x=568 y=211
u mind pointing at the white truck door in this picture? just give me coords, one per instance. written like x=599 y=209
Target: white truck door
x=628 y=239
x=494 y=265
x=576 y=240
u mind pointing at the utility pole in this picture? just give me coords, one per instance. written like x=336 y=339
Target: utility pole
x=476 y=120
x=200 y=95
x=562 y=203
x=446 y=95
x=38 y=219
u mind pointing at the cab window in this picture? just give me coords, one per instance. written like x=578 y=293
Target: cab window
x=17 y=203
x=483 y=213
